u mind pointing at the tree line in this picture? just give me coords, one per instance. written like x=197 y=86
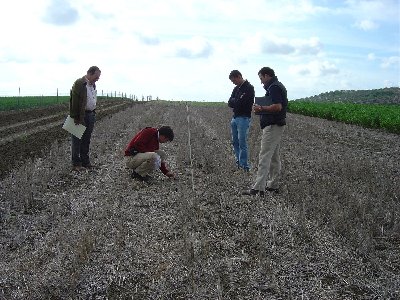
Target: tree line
x=375 y=96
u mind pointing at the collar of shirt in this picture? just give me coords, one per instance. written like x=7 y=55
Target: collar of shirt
x=241 y=84
x=87 y=81
x=91 y=96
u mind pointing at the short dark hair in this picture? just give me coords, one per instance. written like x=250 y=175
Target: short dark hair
x=167 y=132
x=234 y=74
x=267 y=71
x=93 y=69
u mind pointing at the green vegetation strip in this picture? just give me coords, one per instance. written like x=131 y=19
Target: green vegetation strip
x=21 y=102
x=9 y=103
x=367 y=115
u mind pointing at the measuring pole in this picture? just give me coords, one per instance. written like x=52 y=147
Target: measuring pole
x=190 y=146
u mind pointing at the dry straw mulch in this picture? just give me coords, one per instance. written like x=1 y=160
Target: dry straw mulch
x=331 y=233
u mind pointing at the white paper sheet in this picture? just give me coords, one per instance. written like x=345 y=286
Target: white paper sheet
x=76 y=130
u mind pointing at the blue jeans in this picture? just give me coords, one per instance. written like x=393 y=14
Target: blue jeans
x=80 y=147
x=240 y=129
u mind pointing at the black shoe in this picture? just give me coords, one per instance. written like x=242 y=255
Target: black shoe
x=139 y=177
x=147 y=178
x=268 y=189
x=253 y=192
x=90 y=167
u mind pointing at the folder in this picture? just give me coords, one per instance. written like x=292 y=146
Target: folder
x=262 y=101
x=76 y=130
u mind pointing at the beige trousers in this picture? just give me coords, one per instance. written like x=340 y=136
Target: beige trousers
x=269 y=162
x=145 y=163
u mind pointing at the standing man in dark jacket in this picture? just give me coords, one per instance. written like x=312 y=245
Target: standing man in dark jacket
x=82 y=109
x=272 y=123
x=241 y=101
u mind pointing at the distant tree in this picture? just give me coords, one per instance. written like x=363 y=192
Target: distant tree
x=382 y=96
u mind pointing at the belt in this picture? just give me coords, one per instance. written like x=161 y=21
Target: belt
x=90 y=111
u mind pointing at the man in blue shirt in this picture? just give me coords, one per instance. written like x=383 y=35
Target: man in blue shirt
x=272 y=123
x=241 y=102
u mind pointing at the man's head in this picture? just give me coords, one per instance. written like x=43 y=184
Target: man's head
x=265 y=74
x=93 y=74
x=236 y=77
x=166 y=134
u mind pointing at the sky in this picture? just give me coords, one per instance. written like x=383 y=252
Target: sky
x=184 y=50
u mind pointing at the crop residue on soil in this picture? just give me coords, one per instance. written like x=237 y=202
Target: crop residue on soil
x=331 y=233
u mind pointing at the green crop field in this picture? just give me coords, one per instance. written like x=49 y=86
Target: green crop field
x=15 y=102
x=21 y=102
x=367 y=115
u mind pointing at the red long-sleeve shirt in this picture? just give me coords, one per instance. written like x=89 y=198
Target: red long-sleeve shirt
x=146 y=140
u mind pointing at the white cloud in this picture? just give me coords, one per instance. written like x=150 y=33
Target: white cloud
x=371 y=56
x=10 y=55
x=311 y=46
x=148 y=38
x=61 y=12
x=314 y=68
x=390 y=83
x=277 y=46
x=373 y=9
x=392 y=61
x=367 y=25
x=370 y=14
x=271 y=44
x=196 y=47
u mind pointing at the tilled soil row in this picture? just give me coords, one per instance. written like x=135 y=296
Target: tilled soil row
x=11 y=117
x=24 y=129
x=16 y=127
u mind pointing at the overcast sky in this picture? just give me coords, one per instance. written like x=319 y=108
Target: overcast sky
x=185 y=49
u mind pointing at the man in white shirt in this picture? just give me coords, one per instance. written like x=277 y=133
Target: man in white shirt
x=83 y=110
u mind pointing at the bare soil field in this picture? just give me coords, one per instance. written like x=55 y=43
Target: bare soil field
x=333 y=231
x=26 y=133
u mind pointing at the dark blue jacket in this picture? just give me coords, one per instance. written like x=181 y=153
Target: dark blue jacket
x=275 y=93
x=242 y=100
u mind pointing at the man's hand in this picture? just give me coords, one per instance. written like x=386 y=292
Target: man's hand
x=232 y=102
x=256 y=108
x=76 y=121
x=170 y=175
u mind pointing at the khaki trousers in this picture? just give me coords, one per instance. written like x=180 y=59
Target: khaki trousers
x=269 y=162
x=145 y=163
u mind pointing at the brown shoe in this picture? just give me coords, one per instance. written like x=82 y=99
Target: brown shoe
x=76 y=168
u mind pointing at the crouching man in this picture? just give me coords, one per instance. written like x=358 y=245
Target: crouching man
x=143 y=155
